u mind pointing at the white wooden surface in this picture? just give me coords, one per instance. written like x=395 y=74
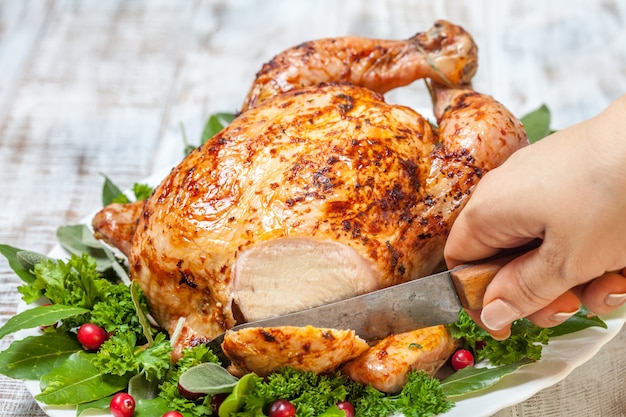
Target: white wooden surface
x=90 y=87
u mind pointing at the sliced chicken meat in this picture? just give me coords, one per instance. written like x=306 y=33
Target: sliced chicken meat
x=386 y=364
x=265 y=350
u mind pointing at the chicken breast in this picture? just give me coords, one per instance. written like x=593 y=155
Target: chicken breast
x=265 y=350
x=386 y=364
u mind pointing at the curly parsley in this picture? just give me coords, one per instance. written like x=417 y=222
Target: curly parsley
x=119 y=355
x=169 y=387
x=526 y=340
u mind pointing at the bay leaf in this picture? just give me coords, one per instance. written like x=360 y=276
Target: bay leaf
x=35 y=356
x=143 y=320
x=97 y=405
x=155 y=407
x=472 y=379
x=78 y=381
x=39 y=316
x=215 y=124
x=111 y=192
x=537 y=123
x=576 y=323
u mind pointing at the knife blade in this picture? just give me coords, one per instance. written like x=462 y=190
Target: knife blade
x=423 y=302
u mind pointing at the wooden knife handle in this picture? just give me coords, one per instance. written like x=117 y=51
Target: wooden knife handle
x=471 y=281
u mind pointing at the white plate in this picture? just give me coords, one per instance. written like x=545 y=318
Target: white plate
x=559 y=359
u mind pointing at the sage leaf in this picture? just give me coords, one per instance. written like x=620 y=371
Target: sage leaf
x=78 y=239
x=35 y=356
x=537 y=123
x=78 y=381
x=39 y=316
x=11 y=253
x=29 y=259
x=472 y=379
x=142 y=389
x=207 y=378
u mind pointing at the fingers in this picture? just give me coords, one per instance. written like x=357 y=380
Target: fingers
x=601 y=296
x=605 y=293
x=527 y=284
x=555 y=313
x=499 y=334
x=558 y=311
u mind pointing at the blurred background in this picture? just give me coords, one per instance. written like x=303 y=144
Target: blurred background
x=108 y=87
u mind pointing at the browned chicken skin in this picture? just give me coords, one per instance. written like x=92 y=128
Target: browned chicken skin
x=445 y=53
x=317 y=193
x=116 y=224
x=386 y=364
x=263 y=351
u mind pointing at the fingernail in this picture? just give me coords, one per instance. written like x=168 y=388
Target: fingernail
x=615 y=300
x=562 y=316
x=502 y=337
x=498 y=314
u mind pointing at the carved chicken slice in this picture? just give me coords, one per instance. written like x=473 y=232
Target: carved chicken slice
x=386 y=364
x=265 y=350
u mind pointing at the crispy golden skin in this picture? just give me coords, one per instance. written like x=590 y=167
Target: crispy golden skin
x=265 y=350
x=386 y=364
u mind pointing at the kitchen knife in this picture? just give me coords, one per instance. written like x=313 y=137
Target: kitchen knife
x=423 y=302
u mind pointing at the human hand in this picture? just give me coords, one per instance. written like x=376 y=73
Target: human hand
x=569 y=191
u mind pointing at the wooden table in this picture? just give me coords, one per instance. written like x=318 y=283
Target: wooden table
x=104 y=87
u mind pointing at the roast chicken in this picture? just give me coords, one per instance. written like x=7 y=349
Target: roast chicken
x=318 y=191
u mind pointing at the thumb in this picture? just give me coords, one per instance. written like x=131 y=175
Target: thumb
x=529 y=285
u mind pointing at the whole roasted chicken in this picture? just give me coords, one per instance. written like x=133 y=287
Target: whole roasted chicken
x=319 y=190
